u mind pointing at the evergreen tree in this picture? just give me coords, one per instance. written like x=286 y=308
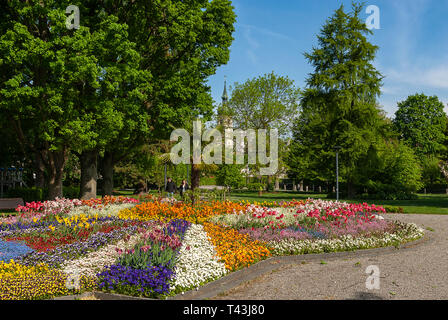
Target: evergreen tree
x=339 y=105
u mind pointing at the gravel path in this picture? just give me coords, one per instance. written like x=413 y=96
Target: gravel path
x=417 y=272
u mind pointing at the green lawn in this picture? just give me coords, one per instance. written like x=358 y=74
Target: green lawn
x=426 y=204
x=7 y=213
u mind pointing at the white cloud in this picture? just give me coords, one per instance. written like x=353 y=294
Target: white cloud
x=411 y=69
x=407 y=30
x=252 y=56
x=251 y=33
x=433 y=77
x=267 y=32
x=250 y=39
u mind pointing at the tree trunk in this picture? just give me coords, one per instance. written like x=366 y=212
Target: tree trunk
x=55 y=184
x=350 y=190
x=40 y=171
x=277 y=184
x=108 y=174
x=55 y=169
x=195 y=177
x=89 y=175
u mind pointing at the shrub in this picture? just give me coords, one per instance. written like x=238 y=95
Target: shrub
x=230 y=176
x=28 y=194
x=332 y=195
x=256 y=186
x=41 y=194
x=71 y=192
x=392 y=209
x=381 y=195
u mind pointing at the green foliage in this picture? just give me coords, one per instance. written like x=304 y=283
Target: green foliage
x=269 y=101
x=72 y=171
x=421 y=122
x=392 y=209
x=389 y=171
x=339 y=105
x=256 y=186
x=41 y=194
x=266 y=102
x=217 y=194
x=66 y=89
x=129 y=74
x=71 y=192
x=431 y=173
x=192 y=196
x=208 y=181
x=386 y=192
x=28 y=194
x=230 y=176
x=141 y=259
x=401 y=168
x=127 y=175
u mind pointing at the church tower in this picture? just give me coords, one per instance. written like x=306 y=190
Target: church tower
x=224 y=116
x=225 y=96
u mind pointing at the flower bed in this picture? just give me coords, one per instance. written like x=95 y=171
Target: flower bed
x=164 y=211
x=318 y=226
x=147 y=269
x=35 y=211
x=158 y=248
x=235 y=249
x=197 y=262
x=18 y=282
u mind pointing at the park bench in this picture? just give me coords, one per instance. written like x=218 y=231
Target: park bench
x=10 y=203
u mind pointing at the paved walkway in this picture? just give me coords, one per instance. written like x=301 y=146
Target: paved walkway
x=416 y=271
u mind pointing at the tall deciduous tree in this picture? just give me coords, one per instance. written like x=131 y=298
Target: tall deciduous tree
x=266 y=102
x=181 y=44
x=339 y=104
x=421 y=122
x=134 y=71
x=58 y=80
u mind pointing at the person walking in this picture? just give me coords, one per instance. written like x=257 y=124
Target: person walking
x=170 y=188
x=183 y=188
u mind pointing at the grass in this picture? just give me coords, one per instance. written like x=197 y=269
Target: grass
x=7 y=213
x=425 y=204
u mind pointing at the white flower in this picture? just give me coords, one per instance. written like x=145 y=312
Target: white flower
x=197 y=261
x=94 y=262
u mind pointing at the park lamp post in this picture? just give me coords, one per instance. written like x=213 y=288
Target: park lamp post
x=337 y=148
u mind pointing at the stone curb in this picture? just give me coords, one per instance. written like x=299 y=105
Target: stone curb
x=102 y=296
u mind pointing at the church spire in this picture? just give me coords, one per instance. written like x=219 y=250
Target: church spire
x=225 y=96
x=224 y=117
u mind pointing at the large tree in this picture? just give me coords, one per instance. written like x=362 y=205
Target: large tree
x=267 y=102
x=339 y=105
x=181 y=44
x=421 y=122
x=53 y=80
x=129 y=75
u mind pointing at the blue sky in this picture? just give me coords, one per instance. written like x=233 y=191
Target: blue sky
x=272 y=35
